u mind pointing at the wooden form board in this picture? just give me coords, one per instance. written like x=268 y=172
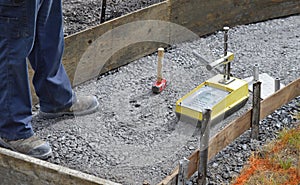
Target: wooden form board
x=22 y=169
x=238 y=127
x=205 y=17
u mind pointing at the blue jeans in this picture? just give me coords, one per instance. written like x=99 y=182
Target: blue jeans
x=30 y=29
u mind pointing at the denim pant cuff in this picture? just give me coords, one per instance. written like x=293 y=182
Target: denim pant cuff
x=13 y=137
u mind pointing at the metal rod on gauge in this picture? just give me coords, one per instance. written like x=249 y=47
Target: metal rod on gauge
x=255 y=73
x=255 y=110
x=277 y=84
x=203 y=154
x=222 y=60
x=226 y=66
x=103 y=9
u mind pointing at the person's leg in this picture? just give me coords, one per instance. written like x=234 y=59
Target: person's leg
x=15 y=44
x=51 y=82
x=17 y=21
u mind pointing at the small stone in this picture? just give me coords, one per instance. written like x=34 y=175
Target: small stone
x=189 y=183
x=278 y=125
x=146 y=182
x=245 y=147
x=225 y=175
x=191 y=148
x=285 y=120
x=57 y=161
x=214 y=165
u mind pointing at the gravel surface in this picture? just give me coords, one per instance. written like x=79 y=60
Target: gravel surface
x=135 y=136
x=80 y=14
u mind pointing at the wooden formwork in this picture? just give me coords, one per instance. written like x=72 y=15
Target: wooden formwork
x=200 y=17
x=18 y=169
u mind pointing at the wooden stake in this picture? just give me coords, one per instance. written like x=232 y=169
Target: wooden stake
x=255 y=117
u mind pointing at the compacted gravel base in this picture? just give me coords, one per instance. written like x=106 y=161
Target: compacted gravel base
x=135 y=136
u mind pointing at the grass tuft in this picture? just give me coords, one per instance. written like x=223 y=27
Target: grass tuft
x=277 y=164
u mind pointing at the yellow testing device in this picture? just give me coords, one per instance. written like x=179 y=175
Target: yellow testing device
x=223 y=94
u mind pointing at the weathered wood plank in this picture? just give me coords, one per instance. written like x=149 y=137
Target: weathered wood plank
x=172 y=178
x=279 y=98
x=240 y=125
x=22 y=169
x=229 y=134
x=204 y=17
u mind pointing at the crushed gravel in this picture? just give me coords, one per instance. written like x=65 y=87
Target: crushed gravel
x=80 y=15
x=135 y=136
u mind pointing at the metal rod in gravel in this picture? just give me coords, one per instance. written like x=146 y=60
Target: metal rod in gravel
x=203 y=154
x=277 y=84
x=103 y=10
x=255 y=72
x=226 y=67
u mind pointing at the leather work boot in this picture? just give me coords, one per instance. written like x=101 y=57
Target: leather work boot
x=83 y=105
x=32 y=146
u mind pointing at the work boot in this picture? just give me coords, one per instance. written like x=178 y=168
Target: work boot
x=82 y=106
x=32 y=146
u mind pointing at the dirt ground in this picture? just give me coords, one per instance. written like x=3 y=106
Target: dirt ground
x=135 y=135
